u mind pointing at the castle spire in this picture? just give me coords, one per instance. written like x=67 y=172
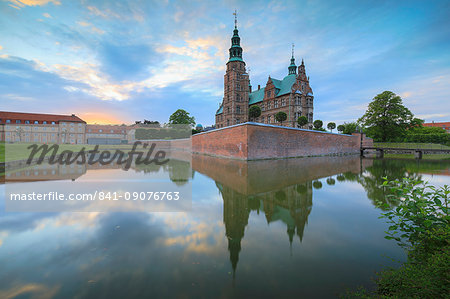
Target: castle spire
x=292 y=68
x=235 y=50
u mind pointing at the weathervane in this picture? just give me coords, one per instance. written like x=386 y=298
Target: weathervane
x=293 y=50
x=235 y=18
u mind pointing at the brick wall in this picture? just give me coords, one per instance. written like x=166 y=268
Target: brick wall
x=252 y=177
x=252 y=141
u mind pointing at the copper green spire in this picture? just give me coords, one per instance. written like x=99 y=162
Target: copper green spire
x=292 y=68
x=235 y=50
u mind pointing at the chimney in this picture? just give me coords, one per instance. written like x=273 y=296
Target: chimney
x=259 y=87
x=73 y=114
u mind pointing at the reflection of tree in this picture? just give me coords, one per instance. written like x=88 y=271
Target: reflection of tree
x=290 y=205
x=179 y=171
x=317 y=184
x=392 y=169
x=331 y=181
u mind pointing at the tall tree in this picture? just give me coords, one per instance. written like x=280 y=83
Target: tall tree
x=386 y=119
x=349 y=128
x=182 y=117
x=281 y=116
x=341 y=128
x=331 y=126
x=302 y=120
x=254 y=112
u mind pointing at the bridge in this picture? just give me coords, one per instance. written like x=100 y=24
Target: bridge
x=418 y=151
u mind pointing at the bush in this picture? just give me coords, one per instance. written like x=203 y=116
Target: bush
x=442 y=138
x=421 y=224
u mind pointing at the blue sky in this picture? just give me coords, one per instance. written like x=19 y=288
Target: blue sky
x=121 y=61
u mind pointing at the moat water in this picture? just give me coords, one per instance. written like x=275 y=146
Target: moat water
x=303 y=228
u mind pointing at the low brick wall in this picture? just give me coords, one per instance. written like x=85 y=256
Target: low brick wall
x=253 y=141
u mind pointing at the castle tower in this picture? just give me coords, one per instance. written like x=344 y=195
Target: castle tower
x=292 y=68
x=308 y=97
x=234 y=107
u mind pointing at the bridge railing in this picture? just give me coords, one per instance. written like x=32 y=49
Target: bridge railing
x=407 y=145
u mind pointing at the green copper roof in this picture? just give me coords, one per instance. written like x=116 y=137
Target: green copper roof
x=236 y=59
x=256 y=96
x=282 y=86
x=220 y=110
x=286 y=84
x=276 y=83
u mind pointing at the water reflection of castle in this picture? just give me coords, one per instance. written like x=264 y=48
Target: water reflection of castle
x=291 y=205
x=253 y=186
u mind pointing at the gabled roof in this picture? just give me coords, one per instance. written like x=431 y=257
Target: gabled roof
x=4 y=115
x=256 y=96
x=286 y=84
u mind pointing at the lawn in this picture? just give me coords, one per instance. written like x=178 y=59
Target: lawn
x=410 y=145
x=18 y=151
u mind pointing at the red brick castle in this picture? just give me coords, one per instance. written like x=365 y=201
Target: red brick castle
x=292 y=95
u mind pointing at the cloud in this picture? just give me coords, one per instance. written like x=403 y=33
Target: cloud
x=22 y=3
x=32 y=290
x=47 y=15
x=106 y=13
x=83 y=23
x=1 y=48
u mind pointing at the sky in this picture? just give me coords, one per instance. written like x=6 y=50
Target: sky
x=122 y=61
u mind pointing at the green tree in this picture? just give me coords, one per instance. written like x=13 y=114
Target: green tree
x=386 y=119
x=182 y=117
x=341 y=128
x=318 y=124
x=350 y=128
x=281 y=116
x=331 y=126
x=302 y=120
x=254 y=112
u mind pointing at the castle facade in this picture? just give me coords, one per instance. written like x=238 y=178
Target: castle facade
x=292 y=95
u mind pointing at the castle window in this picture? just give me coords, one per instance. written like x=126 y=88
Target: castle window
x=268 y=119
x=238 y=109
x=283 y=102
x=276 y=104
x=310 y=117
x=228 y=109
x=263 y=107
x=17 y=121
x=268 y=93
x=269 y=106
x=262 y=119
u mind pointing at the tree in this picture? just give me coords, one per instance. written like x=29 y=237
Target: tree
x=302 y=120
x=386 y=119
x=318 y=124
x=349 y=128
x=341 y=128
x=182 y=117
x=281 y=116
x=331 y=126
x=254 y=112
